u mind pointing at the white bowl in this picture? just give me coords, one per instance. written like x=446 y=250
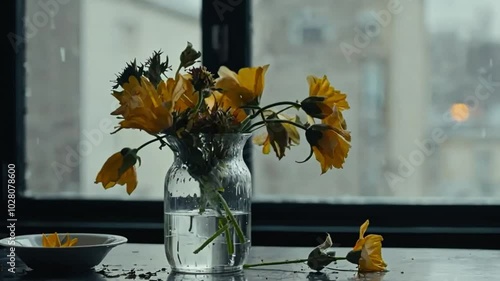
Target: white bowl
x=87 y=253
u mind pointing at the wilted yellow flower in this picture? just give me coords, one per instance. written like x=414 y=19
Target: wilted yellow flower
x=143 y=106
x=243 y=88
x=279 y=136
x=181 y=93
x=119 y=169
x=189 y=55
x=322 y=98
x=369 y=251
x=52 y=241
x=371 y=255
x=329 y=142
x=361 y=239
x=219 y=101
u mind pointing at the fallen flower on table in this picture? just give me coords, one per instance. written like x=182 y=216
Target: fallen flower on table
x=318 y=259
x=53 y=241
x=367 y=254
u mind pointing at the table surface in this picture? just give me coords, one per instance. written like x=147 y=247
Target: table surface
x=403 y=264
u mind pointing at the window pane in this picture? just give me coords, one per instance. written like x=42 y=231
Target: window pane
x=74 y=50
x=421 y=79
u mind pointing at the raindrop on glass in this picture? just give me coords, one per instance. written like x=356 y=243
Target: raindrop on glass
x=28 y=92
x=62 y=50
x=483 y=133
x=37 y=141
x=491 y=62
x=27 y=68
x=52 y=24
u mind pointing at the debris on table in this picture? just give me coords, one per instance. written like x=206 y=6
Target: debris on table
x=131 y=274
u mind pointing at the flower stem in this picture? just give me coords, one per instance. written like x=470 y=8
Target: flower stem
x=149 y=142
x=291 y=103
x=283 y=262
x=284 y=109
x=212 y=238
x=231 y=218
x=247 y=120
x=177 y=72
x=255 y=129
x=230 y=246
x=273 y=263
x=278 y=121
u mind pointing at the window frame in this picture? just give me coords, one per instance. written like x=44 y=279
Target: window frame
x=276 y=224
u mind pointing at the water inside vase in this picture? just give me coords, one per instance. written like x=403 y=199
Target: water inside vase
x=185 y=231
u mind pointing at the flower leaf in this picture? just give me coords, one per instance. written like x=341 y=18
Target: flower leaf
x=317 y=259
x=327 y=244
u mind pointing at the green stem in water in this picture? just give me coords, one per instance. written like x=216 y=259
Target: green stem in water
x=231 y=218
x=230 y=246
x=212 y=238
x=282 y=262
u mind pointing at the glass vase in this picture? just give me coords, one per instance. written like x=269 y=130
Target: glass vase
x=207 y=204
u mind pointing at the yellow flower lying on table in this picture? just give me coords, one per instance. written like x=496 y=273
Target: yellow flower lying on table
x=53 y=241
x=367 y=252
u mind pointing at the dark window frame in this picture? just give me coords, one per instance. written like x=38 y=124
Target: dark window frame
x=279 y=224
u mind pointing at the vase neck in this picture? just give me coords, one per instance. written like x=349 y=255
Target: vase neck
x=218 y=146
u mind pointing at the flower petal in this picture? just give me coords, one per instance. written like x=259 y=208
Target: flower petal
x=327 y=244
x=363 y=228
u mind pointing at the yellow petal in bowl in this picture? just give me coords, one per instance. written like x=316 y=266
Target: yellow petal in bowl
x=56 y=252
x=52 y=241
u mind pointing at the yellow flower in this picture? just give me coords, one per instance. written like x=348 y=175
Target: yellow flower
x=371 y=255
x=279 y=136
x=52 y=241
x=143 y=106
x=329 y=142
x=322 y=98
x=369 y=251
x=119 y=169
x=181 y=92
x=243 y=88
x=219 y=101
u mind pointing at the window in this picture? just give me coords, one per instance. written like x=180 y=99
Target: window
x=413 y=98
x=312 y=35
x=70 y=60
x=421 y=82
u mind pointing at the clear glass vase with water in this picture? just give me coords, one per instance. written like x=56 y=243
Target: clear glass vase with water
x=208 y=180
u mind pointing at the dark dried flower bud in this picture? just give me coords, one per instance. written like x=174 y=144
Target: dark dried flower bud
x=189 y=56
x=201 y=78
x=316 y=107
